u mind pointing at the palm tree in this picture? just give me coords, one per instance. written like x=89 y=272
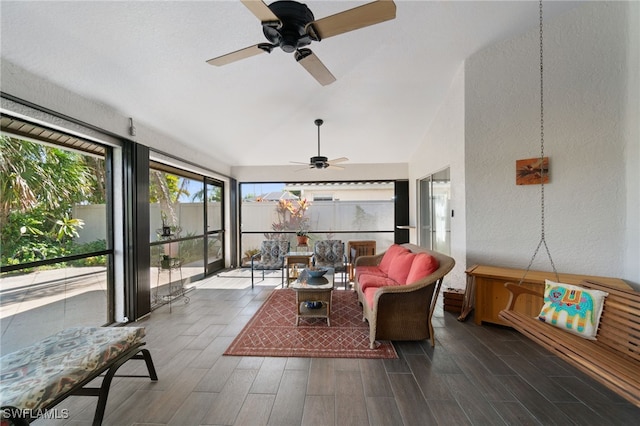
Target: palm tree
x=37 y=179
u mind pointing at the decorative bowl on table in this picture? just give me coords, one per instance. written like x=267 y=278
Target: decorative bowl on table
x=316 y=272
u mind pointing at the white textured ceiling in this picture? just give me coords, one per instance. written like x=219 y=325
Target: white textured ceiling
x=147 y=60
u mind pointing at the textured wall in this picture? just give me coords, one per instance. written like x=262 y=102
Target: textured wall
x=588 y=76
x=443 y=146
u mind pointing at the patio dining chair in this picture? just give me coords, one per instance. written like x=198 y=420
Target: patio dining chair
x=330 y=253
x=356 y=249
x=271 y=257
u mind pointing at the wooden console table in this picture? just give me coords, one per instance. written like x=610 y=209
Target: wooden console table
x=491 y=296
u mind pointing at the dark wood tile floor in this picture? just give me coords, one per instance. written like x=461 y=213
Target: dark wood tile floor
x=474 y=376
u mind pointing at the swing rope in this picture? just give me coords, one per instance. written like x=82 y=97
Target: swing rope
x=543 y=241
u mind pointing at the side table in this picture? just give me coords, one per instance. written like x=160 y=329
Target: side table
x=291 y=262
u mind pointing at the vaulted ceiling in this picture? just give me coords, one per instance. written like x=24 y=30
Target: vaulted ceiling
x=147 y=61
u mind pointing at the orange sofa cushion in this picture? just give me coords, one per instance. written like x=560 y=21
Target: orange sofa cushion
x=366 y=281
x=368 y=270
x=400 y=267
x=424 y=264
x=369 y=295
x=389 y=255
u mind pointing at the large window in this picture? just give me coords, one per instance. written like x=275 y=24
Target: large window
x=345 y=211
x=55 y=250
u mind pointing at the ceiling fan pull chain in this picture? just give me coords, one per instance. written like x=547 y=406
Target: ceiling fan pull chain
x=543 y=240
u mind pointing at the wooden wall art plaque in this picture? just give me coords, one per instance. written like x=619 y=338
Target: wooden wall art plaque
x=532 y=170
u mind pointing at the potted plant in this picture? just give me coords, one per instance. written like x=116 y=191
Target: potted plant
x=303 y=237
x=165 y=262
x=248 y=254
x=166 y=229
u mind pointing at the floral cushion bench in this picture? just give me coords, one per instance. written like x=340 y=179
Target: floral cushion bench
x=38 y=377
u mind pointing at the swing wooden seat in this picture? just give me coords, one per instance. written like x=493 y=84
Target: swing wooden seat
x=613 y=359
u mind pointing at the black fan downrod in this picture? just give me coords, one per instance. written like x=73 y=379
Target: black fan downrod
x=319 y=161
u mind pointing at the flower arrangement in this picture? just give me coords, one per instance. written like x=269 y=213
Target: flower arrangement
x=291 y=217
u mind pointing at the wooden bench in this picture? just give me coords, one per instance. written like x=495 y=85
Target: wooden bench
x=613 y=359
x=35 y=379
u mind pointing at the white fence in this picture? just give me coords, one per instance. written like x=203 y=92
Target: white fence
x=190 y=219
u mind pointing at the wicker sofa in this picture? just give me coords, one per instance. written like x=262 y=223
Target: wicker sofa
x=398 y=290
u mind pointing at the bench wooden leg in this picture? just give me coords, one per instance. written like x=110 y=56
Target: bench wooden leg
x=111 y=373
x=103 y=391
x=146 y=355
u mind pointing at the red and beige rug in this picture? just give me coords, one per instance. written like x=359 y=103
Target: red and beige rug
x=272 y=331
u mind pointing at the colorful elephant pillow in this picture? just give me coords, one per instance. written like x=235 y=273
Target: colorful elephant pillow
x=575 y=309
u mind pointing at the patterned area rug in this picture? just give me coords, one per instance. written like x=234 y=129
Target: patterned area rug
x=272 y=331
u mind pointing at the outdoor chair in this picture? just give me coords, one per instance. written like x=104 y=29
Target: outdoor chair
x=330 y=253
x=356 y=249
x=271 y=257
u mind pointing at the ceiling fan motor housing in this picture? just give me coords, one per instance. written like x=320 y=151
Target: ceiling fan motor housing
x=319 y=162
x=294 y=17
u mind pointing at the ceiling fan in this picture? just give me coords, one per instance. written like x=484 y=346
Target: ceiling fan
x=319 y=161
x=291 y=26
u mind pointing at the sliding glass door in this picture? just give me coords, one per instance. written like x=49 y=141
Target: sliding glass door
x=187 y=228
x=434 y=212
x=214 y=226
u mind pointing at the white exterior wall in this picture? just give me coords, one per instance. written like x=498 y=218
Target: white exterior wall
x=443 y=146
x=190 y=219
x=632 y=148
x=591 y=128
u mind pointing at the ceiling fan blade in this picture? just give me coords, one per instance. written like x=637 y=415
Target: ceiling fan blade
x=262 y=12
x=247 y=52
x=331 y=166
x=314 y=66
x=298 y=162
x=338 y=160
x=352 y=19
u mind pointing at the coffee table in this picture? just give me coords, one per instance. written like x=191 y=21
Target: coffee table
x=314 y=290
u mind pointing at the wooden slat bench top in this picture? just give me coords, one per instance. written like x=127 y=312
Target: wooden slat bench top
x=613 y=359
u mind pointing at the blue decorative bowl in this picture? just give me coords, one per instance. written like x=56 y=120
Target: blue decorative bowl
x=316 y=272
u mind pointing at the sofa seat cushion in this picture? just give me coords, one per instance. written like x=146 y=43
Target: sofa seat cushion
x=376 y=281
x=389 y=255
x=34 y=376
x=369 y=295
x=423 y=265
x=369 y=270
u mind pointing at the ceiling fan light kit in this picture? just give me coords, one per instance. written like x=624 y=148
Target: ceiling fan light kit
x=291 y=26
